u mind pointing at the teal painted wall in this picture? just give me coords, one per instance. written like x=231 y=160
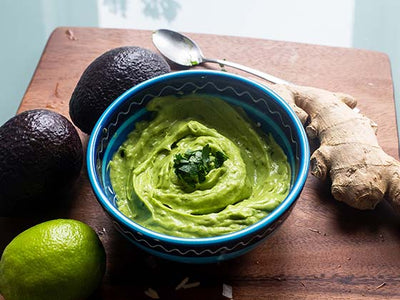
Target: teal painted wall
x=377 y=27
x=25 y=26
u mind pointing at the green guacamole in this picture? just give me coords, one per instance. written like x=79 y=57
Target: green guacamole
x=248 y=183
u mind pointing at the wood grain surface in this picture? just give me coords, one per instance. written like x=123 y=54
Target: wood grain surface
x=325 y=250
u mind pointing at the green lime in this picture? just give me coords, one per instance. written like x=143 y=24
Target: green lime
x=59 y=259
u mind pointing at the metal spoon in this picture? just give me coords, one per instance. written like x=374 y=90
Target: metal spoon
x=183 y=51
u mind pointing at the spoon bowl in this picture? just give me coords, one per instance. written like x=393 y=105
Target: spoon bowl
x=178 y=48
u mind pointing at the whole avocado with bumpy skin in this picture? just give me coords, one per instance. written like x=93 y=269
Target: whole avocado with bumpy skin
x=40 y=156
x=107 y=77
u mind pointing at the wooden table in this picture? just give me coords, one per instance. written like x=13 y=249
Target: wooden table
x=325 y=250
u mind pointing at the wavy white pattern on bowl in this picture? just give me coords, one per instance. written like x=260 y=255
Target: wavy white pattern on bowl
x=217 y=251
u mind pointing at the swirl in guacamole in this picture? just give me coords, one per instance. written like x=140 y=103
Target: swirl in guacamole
x=199 y=168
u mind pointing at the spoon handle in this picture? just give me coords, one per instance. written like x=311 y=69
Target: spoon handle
x=260 y=74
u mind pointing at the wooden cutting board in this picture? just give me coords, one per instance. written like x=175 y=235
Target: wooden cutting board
x=325 y=250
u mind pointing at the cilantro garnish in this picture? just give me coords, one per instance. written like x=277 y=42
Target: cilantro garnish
x=192 y=167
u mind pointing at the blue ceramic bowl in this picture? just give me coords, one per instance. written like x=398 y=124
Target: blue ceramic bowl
x=261 y=104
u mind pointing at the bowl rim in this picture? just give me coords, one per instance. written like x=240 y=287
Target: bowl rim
x=104 y=119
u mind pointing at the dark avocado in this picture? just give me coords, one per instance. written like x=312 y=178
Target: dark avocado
x=40 y=156
x=107 y=77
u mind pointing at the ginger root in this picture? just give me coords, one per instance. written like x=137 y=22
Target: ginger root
x=362 y=174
